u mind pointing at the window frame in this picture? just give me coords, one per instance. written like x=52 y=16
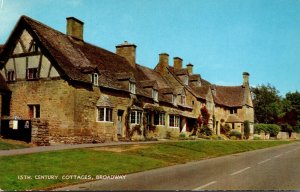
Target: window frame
x=137 y=117
x=160 y=119
x=106 y=118
x=155 y=94
x=32 y=73
x=34 y=111
x=132 y=87
x=95 y=79
x=176 y=121
x=11 y=75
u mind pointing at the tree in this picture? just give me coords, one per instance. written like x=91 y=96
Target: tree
x=246 y=129
x=291 y=108
x=267 y=104
x=203 y=121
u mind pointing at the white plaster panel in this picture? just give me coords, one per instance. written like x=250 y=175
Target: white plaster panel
x=21 y=67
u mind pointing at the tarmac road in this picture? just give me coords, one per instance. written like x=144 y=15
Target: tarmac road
x=276 y=168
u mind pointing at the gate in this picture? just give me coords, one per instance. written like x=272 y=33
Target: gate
x=16 y=129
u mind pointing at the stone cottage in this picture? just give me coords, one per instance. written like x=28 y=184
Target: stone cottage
x=82 y=93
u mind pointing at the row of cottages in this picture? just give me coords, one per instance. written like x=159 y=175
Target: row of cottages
x=82 y=93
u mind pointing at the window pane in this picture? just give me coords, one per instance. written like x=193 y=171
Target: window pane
x=156 y=119
x=139 y=117
x=101 y=114
x=37 y=111
x=171 y=120
x=132 y=117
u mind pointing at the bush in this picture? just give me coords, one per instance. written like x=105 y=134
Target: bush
x=206 y=131
x=225 y=129
x=246 y=129
x=273 y=130
x=236 y=134
x=256 y=138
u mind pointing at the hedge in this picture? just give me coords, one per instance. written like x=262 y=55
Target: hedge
x=273 y=129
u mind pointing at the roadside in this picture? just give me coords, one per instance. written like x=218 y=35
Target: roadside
x=50 y=169
x=253 y=170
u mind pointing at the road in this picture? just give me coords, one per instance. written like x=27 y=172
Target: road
x=276 y=168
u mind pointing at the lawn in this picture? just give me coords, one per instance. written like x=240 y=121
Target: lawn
x=10 y=144
x=111 y=160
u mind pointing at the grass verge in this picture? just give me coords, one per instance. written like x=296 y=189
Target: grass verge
x=11 y=144
x=111 y=160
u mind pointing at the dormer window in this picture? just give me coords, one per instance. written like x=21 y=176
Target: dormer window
x=32 y=73
x=132 y=88
x=95 y=78
x=186 y=80
x=173 y=99
x=183 y=99
x=154 y=95
x=11 y=75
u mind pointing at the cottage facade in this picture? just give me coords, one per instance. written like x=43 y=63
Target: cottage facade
x=85 y=93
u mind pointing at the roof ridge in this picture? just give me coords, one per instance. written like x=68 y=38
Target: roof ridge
x=40 y=23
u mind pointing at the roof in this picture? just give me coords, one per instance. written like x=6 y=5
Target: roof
x=233 y=119
x=231 y=96
x=202 y=91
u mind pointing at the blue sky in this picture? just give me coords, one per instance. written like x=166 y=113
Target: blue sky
x=221 y=38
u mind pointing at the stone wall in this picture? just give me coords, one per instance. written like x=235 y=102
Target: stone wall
x=56 y=100
x=40 y=132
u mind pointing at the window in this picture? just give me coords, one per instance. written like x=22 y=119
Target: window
x=132 y=87
x=11 y=76
x=154 y=95
x=135 y=117
x=159 y=119
x=34 y=111
x=183 y=98
x=233 y=111
x=173 y=98
x=35 y=48
x=95 y=79
x=186 y=80
x=104 y=114
x=32 y=73
x=174 y=121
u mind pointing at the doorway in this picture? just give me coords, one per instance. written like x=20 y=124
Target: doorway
x=120 y=123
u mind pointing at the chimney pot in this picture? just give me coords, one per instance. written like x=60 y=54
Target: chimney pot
x=75 y=28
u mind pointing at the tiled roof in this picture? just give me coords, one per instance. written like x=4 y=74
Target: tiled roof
x=231 y=96
x=202 y=91
x=78 y=59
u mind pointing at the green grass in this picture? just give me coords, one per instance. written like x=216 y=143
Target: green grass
x=6 y=145
x=99 y=162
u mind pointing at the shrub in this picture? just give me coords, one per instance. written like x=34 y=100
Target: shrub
x=206 y=131
x=273 y=130
x=246 y=129
x=256 y=138
x=236 y=134
x=225 y=129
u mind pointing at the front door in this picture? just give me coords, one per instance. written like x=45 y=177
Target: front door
x=120 y=124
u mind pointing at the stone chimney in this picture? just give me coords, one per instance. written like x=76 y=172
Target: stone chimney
x=163 y=64
x=190 y=68
x=246 y=79
x=128 y=51
x=75 y=28
x=177 y=63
